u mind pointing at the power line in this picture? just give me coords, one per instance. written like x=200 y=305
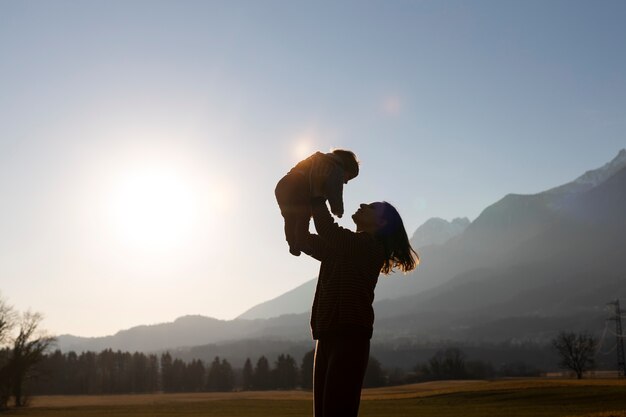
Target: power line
x=610 y=350
x=601 y=342
x=614 y=333
x=617 y=317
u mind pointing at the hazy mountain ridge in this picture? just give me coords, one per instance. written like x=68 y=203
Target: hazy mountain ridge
x=572 y=267
x=437 y=231
x=291 y=302
x=525 y=261
x=184 y=331
x=593 y=177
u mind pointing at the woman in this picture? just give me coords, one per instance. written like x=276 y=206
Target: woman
x=342 y=317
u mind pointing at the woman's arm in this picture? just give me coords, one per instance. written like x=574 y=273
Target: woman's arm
x=337 y=238
x=315 y=246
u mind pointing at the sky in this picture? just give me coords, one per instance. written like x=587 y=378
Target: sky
x=141 y=141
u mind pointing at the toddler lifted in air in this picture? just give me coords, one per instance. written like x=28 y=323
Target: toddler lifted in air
x=326 y=173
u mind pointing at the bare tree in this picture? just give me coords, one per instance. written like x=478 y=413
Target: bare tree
x=577 y=351
x=7 y=322
x=446 y=364
x=28 y=348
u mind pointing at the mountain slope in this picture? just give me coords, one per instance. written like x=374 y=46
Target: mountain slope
x=437 y=231
x=434 y=231
x=592 y=178
x=569 y=270
x=185 y=331
x=298 y=300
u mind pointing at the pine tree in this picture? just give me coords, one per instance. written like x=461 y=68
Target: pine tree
x=227 y=380
x=213 y=378
x=247 y=376
x=262 y=375
x=374 y=375
x=178 y=375
x=194 y=376
x=167 y=381
x=285 y=373
x=306 y=370
x=221 y=376
x=153 y=373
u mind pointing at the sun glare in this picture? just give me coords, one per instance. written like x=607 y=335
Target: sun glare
x=302 y=147
x=152 y=209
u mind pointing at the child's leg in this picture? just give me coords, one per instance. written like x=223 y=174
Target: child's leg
x=288 y=195
x=302 y=217
x=291 y=221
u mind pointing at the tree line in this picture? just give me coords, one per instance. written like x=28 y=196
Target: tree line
x=117 y=372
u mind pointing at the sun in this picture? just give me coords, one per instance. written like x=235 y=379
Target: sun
x=152 y=209
x=302 y=147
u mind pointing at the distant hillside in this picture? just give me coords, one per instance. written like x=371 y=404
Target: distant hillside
x=434 y=231
x=592 y=178
x=437 y=231
x=184 y=331
x=298 y=300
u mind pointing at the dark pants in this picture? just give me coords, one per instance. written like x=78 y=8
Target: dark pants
x=340 y=363
x=294 y=199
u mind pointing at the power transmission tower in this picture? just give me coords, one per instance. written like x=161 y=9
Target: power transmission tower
x=617 y=316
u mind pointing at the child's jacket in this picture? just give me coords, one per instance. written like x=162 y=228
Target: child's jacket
x=325 y=172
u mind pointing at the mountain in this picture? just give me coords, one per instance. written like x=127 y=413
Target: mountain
x=592 y=178
x=556 y=276
x=434 y=231
x=437 y=231
x=298 y=300
x=526 y=267
x=184 y=331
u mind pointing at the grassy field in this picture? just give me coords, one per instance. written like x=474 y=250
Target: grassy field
x=510 y=398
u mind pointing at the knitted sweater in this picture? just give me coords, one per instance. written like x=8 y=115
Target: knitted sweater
x=324 y=171
x=349 y=270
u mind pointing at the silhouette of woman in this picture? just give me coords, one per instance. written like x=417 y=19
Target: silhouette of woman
x=342 y=317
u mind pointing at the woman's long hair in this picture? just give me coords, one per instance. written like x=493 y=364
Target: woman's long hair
x=398 y=251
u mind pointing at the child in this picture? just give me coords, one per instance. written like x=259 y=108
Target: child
x=327 y=172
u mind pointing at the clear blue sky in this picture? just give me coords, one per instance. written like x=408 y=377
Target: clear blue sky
x=140 y=141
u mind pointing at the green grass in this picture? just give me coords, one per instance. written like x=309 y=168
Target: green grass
x=502 y=398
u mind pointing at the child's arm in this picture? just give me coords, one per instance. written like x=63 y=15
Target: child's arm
x=334 y=191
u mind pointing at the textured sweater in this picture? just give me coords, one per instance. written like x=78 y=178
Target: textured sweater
x=324 y=171
x=349 y=270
